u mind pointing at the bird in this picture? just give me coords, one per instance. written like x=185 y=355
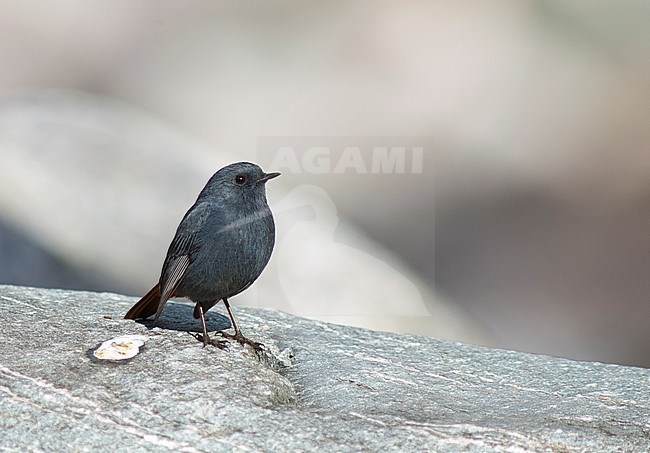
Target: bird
x=221 y=246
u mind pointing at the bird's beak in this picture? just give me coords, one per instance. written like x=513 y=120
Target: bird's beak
x=268 y=176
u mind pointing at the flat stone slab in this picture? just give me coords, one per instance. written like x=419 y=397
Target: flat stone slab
x=319 y=387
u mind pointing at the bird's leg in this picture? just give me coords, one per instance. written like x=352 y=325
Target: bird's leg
x=238 y=336
x=221 y=344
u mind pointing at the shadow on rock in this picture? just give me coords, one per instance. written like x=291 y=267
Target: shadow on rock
x=179 y=316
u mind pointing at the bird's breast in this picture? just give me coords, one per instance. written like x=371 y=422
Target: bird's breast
x=229 y=256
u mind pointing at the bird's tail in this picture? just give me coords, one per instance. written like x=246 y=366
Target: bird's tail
x=146 y=306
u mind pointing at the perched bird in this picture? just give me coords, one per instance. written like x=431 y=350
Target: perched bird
x=220 y=248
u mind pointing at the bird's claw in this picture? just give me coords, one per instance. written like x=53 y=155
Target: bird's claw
x=237 y=336
x=221 y=344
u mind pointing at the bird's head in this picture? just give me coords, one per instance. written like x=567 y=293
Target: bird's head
x=241 y=180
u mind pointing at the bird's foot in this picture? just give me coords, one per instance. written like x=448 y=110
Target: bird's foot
x=241 y=339
x=221 y=344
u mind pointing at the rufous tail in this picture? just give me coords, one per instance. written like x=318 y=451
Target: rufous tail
x=146 y=306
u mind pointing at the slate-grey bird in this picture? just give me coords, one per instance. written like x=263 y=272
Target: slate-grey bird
x=220 y=248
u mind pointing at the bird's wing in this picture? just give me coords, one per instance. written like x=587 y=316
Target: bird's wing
x=181 y=252
x=176 y=263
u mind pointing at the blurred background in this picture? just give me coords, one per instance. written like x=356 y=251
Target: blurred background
x=528 y=227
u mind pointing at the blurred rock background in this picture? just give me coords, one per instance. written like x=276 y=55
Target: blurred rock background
x=531 y=219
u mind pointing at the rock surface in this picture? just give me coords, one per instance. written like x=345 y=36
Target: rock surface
x=320 y=386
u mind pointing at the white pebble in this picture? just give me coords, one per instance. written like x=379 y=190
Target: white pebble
x=120 y=348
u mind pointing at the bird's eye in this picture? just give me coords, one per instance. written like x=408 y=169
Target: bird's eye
x=240 y=179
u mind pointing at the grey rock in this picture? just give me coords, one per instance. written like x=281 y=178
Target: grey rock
x=319 y=386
